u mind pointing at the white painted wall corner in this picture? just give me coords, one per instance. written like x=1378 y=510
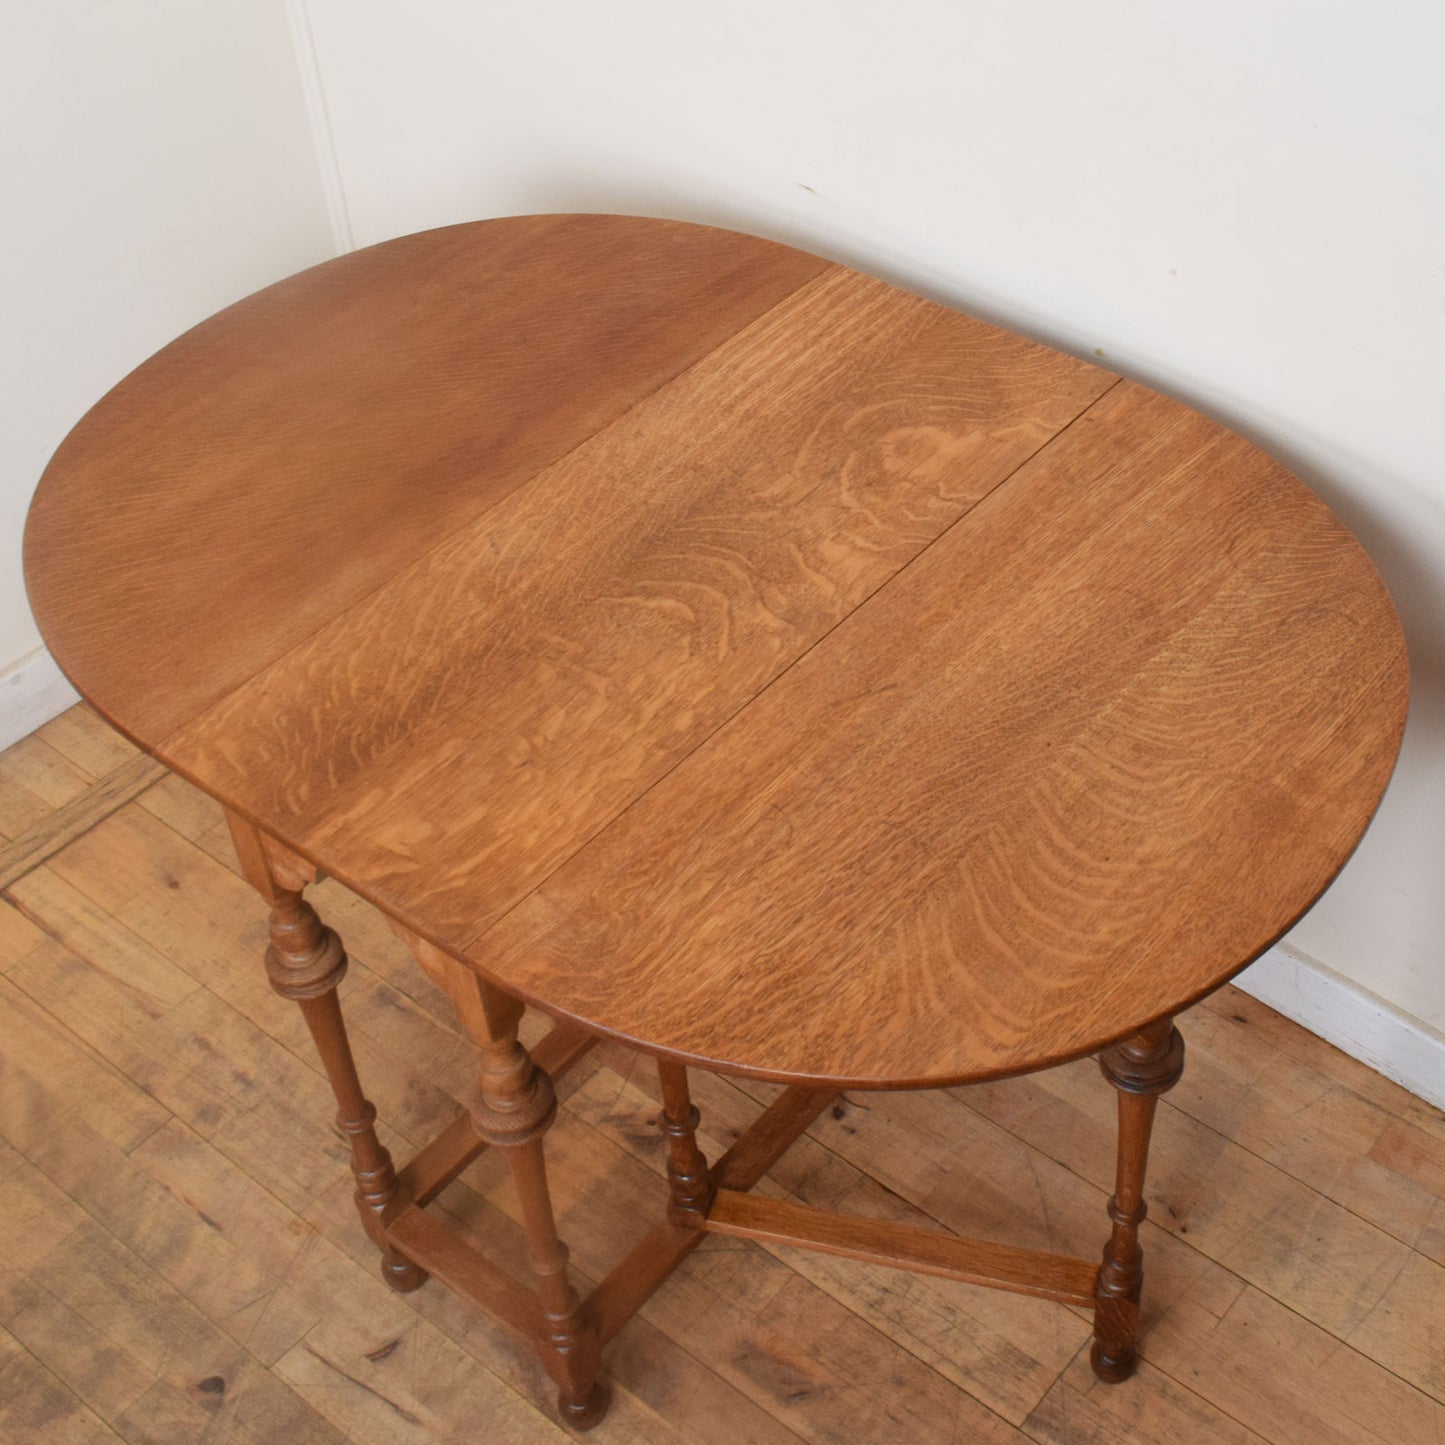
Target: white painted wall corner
x=323 y=138
x=32 y=691
x=1397 y=1044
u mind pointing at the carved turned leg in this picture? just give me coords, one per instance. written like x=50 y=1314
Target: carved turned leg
x=305 y=962
x=1140 y=1068
x=517 y=1107
x=687 y=1172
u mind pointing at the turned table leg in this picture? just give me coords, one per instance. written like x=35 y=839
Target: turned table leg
x=516 y=1108
x=1140 y=1068
x=305 y=962
x=687 y=1172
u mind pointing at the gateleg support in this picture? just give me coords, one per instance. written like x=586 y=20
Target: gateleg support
x=690 y=1184
x=515 y=1109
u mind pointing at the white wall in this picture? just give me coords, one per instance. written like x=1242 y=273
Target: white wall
x=155 y=164
x=1242 y=203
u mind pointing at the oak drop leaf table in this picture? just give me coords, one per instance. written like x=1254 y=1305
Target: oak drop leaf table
x=722 y=651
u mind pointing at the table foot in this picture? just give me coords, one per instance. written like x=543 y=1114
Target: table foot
x=1140 y=1069
x=401 y=1274
x=584 y=1412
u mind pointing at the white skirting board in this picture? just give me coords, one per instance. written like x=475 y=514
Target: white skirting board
x=32 y=691
x=1367 y=1028
x=1395 y=1044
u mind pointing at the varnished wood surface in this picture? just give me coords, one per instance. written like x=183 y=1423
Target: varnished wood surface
x=902 y=1246
x=1134 y=731
x=183 y=1262
x=287 y=456
x=880 y=699
x=549 y=663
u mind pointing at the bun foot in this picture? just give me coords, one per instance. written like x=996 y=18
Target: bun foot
x=401 y=1274
x=583 y=1414
x=1113 y=1369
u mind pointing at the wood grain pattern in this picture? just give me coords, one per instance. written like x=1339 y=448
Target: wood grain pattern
x=774 y=669
x=50 y=834
x=35 y=780
x=593 y=628
x=902 y=1246
x=1125 y=688
x=404 y=389
x=436 y=1248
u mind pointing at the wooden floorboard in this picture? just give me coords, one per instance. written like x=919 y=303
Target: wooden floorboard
x=65 y=824
x=183 y=1262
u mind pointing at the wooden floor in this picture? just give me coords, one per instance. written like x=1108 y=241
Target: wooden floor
x=182 y=1261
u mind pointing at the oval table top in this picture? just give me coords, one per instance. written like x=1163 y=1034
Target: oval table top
x=727 y=650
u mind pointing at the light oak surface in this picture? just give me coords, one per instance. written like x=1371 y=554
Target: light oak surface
x=183 y=1265
x=734 y=653
x=405 y=388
